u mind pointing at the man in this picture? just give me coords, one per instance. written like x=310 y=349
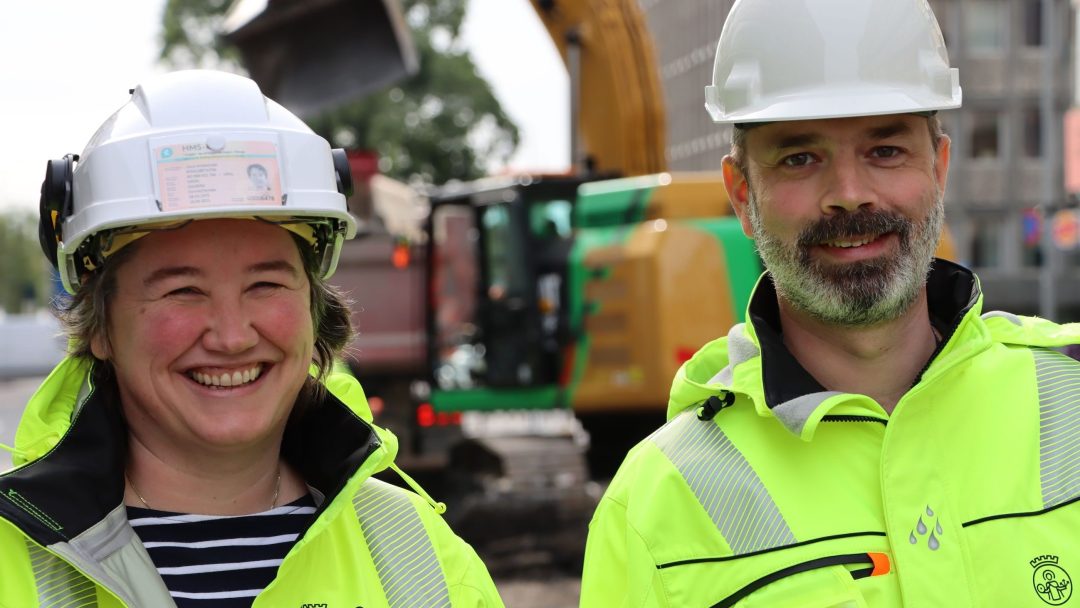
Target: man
x=868 y=437
x=196 y=449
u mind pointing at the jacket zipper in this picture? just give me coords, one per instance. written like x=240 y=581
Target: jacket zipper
x=941 y=345
x=853 y=418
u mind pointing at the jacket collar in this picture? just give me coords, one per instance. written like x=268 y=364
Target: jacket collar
x=952 y=291
x=75 y=438
x=753 y=361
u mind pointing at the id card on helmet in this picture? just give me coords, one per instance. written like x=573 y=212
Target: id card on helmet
x=204 y=171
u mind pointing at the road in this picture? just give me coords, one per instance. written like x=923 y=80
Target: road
x=540 y=588
x=541 y=591
x=13 y=396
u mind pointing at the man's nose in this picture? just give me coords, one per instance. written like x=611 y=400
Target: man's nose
x=230 y=329
x=849 y=186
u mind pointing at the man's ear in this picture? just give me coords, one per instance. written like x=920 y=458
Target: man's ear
x=738 y=191
x=941 y=161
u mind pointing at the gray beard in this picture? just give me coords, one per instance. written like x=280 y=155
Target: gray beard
x=858 y=294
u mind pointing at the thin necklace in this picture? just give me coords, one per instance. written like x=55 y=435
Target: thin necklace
x=273 y=501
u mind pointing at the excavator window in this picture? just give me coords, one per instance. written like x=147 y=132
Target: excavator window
x=498 y=283
x=509 y=314
x=504 y=262
x=454 y=288
x=550 y=219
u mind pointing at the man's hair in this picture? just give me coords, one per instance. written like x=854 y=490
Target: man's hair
x=86 y=315
x=739 y=133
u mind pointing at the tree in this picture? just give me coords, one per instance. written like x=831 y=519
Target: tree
x=444 y=123
x=24 y=269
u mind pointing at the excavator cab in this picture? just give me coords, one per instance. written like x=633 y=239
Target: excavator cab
x=497 y=279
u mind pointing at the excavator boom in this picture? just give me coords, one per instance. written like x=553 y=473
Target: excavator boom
x=617 y=101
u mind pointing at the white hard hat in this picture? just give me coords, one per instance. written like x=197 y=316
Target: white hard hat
x=189 y=145
x=808 y=59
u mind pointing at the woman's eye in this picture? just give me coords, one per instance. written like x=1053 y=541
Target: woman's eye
x=266 y=285
x=798 y=160
x=183 y=291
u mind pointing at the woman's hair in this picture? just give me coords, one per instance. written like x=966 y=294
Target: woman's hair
x=86 y=315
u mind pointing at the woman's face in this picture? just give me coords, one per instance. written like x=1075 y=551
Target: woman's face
x=211 y=336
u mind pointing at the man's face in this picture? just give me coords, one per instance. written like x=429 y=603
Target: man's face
x=845 y=213
x=211 y=336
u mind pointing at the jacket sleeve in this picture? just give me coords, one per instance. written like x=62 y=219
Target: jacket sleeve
x=619 y=568
x=467 y=578
x=474 y=587
x=18 y=588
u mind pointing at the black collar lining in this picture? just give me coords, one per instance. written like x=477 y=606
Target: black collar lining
x=75 y=485
x=951 y=292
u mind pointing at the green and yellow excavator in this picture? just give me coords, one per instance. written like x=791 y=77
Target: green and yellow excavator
x=526 y=334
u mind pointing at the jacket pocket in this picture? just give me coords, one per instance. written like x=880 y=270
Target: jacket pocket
x=824 y=582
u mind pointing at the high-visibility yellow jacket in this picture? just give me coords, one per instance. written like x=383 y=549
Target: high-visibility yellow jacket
x=765 y=489
x=65 y=540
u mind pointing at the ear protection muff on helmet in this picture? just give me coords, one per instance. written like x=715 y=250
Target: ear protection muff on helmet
x=344 y=173
x=55 y=206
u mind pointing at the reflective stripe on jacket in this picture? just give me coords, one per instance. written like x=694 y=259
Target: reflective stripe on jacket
x=795 y=496
x=65 y=540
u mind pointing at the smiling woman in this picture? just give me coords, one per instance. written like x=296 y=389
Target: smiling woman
x=210 y=337
x=196 y=447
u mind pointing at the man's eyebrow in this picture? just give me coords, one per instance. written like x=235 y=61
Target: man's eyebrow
x=169 y=272
x=800 y=140
x=797 y=140
x=890 y=130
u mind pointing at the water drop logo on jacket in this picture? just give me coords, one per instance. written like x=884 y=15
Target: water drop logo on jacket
x=927 y=524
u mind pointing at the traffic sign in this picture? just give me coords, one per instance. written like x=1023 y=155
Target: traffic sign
x=1066 y=229
x=1071 y=146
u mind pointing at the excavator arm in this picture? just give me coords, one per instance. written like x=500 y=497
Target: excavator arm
x=617 y=100
x=315 y=56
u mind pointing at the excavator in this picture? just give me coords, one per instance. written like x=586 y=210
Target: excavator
x=526 y=334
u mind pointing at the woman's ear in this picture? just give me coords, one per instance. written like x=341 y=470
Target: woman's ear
x=99 y=346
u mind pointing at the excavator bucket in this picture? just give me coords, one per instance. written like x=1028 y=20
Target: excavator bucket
x=315 y=55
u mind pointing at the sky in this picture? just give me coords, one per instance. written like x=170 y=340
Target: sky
x=67 y=65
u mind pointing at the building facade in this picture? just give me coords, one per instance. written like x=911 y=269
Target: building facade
x=1004 y=167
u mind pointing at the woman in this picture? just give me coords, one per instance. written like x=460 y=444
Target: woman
x=196 y=447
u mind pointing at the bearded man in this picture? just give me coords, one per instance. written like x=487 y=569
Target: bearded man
x=868 y=437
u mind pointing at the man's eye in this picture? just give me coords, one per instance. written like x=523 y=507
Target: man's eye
x=797 y=160
x=886 y=152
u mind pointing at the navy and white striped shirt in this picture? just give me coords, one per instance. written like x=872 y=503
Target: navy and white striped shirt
x=219 y=561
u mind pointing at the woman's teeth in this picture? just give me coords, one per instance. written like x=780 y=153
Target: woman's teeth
x=227 y=379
